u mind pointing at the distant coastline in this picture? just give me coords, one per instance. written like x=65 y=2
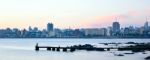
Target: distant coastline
x=78 y=38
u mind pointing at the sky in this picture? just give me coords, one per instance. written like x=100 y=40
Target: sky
x=73 y=13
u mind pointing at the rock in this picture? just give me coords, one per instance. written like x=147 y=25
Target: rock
x=130 y=43
x=147 y=58
x=129 y=53
x=118 y=54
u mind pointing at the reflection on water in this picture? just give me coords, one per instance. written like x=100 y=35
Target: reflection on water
x=23 y=49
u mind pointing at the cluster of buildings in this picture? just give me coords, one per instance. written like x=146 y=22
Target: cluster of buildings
x=130 y=32
x=114 y=31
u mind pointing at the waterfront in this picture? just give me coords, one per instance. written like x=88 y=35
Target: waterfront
x=23 y=49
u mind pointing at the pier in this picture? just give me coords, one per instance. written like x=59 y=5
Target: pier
x=50 y=48
x=65 y=49
x=89 y=47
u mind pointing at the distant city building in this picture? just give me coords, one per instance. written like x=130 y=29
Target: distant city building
x=35 y=29
x=95 y=32
x=126 y=30
x=44 y=33
x=109 y=31
x=113 y=31
x=146 y=27
x=24 y=33
x=51 y=34
x=58 y=32
x=116 y=28
x=68 y=33
x=30 y=29
x=141 y=30
x=50 y=27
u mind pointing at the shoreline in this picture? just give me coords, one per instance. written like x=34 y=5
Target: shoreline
x=74 y=38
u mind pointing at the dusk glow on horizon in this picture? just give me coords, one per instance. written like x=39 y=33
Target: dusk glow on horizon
x=73 y=13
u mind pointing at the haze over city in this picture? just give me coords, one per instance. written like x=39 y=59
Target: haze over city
x=73 y=13
x=75 y=29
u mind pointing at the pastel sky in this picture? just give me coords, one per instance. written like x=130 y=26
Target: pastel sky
x=73 y=13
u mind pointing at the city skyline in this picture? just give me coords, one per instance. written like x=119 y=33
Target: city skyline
x=50 y=27
x=73 y=13
x=114 y=31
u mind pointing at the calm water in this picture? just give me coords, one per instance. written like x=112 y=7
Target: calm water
x=23 y=49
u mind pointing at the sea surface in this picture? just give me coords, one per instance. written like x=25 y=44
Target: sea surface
x=23 y=49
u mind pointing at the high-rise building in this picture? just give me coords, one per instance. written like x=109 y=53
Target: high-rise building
x=49 y=27
x=30 y=29
x=116 y=27
x=146 y=25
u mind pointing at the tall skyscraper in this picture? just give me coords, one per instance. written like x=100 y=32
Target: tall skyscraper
x=49 y=27
x=146 y=25
x=116 y=27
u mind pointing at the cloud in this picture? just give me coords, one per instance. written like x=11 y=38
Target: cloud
x=134 y=18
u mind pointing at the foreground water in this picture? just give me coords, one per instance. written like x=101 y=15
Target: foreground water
x=23 y=49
